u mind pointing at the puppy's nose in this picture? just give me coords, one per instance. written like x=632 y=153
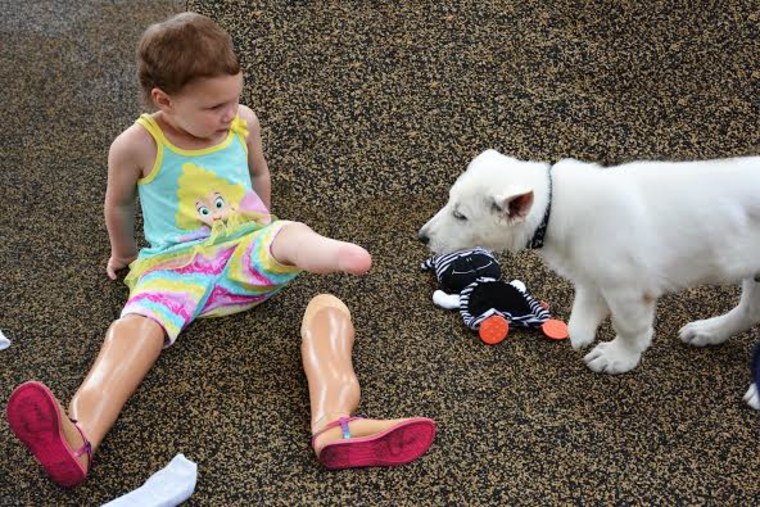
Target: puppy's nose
x=423 y=237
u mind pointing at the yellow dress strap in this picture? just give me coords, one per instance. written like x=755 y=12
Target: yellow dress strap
x=149 y=123
x=240 y=128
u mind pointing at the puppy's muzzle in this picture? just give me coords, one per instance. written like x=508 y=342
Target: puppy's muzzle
x=423 y=237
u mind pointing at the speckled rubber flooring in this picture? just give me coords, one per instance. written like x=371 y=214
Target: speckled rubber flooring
x=370 y=110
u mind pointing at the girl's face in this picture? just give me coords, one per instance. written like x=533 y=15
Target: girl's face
x=205 y=107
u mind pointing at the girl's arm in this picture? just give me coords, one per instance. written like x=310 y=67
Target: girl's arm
x=124 y=169
x=257 y=164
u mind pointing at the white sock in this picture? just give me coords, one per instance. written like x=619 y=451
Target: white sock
x=168 y=487
x=4 y=342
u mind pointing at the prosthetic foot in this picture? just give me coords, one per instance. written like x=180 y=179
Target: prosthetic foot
x=339 y=440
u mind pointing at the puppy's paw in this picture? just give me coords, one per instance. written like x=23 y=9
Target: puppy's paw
x=579 y=340
x=612 y=357
x=752 y=397
x=702 y=333
x=581 y=336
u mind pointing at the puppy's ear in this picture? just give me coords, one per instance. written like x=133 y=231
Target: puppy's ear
x=513 y=205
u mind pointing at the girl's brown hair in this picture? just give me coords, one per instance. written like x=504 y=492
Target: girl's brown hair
x=187 y=46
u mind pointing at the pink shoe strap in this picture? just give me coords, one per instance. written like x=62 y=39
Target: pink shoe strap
x=86 y=446
x=342 y=422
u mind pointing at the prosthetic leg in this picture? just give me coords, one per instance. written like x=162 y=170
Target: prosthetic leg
x=340 y=440
x=64 y=446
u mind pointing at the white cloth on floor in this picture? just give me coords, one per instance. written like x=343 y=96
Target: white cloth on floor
x=168 y=487
x=4 y=342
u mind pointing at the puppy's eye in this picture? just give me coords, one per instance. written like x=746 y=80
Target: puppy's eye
x=459 y=216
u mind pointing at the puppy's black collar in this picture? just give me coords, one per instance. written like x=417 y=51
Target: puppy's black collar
x=537 y=241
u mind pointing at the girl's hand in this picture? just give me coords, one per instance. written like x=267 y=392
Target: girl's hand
x=116 y=264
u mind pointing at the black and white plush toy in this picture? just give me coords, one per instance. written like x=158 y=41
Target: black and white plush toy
x=457 y=270
x=753 y=395
x=488 y=305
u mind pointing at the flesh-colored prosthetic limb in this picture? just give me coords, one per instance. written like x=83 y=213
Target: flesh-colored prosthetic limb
x=65 y=446
x=342 y=441
x=326 y=348
x=131 y=347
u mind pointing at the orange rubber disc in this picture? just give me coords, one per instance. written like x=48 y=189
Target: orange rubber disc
x=555 y=329
x=494 y=329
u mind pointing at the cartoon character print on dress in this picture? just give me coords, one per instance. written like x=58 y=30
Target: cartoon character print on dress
x=210 y=205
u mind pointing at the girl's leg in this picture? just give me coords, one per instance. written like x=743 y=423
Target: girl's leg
x=334 y=392
x=297 y=245
x=132 y=345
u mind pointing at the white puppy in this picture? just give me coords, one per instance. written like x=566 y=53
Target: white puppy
x=622 y=235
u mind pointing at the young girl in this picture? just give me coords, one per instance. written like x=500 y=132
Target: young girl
x=198 y=167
